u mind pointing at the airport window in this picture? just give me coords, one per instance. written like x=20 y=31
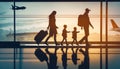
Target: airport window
x=6 y=22
x=113 y=19
x=31 y=17
x=29 y=21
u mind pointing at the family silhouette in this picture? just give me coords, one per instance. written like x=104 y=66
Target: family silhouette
x=83 y=22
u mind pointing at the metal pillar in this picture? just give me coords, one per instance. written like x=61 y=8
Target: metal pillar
x=106 y=32
x=14 y=34
x=101 y=9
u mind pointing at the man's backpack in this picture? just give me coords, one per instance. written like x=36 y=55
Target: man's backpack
x=81 y=20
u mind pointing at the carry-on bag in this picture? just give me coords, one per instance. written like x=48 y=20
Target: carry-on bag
x=40 y=36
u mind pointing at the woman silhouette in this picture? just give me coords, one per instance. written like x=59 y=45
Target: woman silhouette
x=52 y=27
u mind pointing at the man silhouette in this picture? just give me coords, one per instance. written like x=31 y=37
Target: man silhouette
x=52 y=27
x=86 y=26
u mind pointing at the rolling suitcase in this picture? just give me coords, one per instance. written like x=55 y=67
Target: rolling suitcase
x=40 y=55
x=40 y=36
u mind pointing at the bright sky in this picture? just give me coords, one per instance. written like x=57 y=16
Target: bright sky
x=60 y=7
x=45 y=8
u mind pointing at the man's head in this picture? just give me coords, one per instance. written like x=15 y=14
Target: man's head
x=87 y=10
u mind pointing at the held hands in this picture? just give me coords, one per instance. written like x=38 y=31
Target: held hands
x=78 y=31
x=68 y=31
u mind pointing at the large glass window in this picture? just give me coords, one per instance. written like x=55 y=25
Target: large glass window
x=6 y=22
x=114 y=21
x=34 y=17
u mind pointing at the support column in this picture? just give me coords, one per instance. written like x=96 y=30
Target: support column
x=14 y=34
x=106 y=32
x=101 y=9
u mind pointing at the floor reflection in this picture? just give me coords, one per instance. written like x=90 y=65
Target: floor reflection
x=51 y=58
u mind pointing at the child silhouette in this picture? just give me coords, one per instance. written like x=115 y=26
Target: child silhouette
x=64 y=34
x=74 y=36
